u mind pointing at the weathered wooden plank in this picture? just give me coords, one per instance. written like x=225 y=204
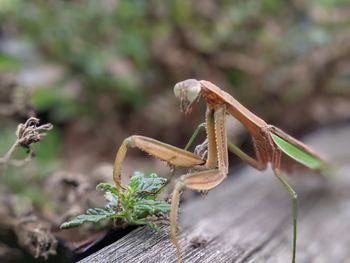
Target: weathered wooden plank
x=248 y=219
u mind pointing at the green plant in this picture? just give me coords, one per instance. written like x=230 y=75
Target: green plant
x=137 y=206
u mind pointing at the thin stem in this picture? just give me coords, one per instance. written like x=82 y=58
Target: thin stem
x=18 y=163
x=6 y=159
x=9 y=153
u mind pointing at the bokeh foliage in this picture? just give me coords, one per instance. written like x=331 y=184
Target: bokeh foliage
x=128 y=51
x=118 y=61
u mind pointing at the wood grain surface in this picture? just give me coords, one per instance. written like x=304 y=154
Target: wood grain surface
x=248 y=218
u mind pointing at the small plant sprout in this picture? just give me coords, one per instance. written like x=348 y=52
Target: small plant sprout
x=27 y=133
x=137 y=205
x=209 y=162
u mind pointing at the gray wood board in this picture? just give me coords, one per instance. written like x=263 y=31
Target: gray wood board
x=248 y=218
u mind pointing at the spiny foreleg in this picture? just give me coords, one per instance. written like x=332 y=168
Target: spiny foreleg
x=172 y=155
x=206 y=179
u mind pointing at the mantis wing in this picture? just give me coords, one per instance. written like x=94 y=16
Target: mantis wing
x=298 y=152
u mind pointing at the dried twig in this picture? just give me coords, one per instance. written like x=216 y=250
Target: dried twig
x=26 y=134
x=33 y=233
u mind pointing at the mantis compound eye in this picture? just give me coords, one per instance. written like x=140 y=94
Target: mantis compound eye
x=193 y=89
x=178 y=90
x=187 y=91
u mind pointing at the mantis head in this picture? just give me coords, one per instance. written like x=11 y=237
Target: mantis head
x=187 y=91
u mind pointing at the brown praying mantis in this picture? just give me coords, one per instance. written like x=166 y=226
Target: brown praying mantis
x=270 y=143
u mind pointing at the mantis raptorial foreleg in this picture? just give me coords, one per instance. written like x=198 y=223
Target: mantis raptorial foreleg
x=207 y=179
x=276 y=161
x=256 y=163
x=171 y=154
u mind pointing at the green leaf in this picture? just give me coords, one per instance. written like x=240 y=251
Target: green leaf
x=92 y=215
x=297 y=154
x=137 y=202
x=107 y=187
x=111 y=195
x=111 y=198
x=145 y=208
x=151 y=183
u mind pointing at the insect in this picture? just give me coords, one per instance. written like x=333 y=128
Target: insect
x=270 y=143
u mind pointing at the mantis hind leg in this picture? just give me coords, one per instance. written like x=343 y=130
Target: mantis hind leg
x=276 y=161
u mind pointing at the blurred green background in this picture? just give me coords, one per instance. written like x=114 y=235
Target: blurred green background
x=103 y=70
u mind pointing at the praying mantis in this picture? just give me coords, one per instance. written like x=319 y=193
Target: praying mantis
x=271 y=145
